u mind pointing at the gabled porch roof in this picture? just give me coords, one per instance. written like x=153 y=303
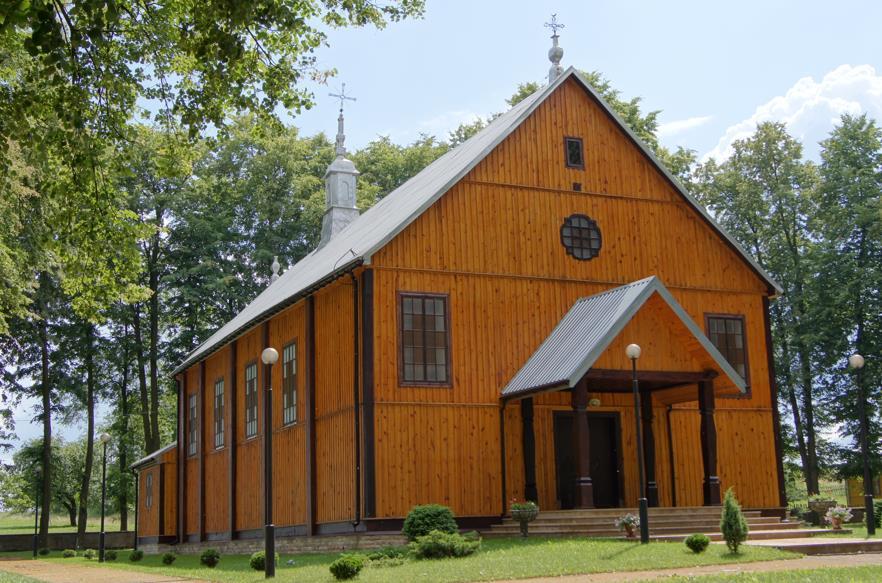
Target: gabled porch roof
x=587 y=330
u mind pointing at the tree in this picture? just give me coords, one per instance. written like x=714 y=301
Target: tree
x=849 y=224
x=764 y=195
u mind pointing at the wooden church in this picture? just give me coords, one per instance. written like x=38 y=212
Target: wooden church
x=463 y=343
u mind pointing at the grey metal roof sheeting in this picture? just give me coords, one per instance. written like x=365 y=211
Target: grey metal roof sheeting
x=588 y=328
x=152 y=457
x=381 y=223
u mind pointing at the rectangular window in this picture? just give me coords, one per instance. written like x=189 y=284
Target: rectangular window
x=424 y=357
x=251 y=400
x=289 y=384
x=727 y=334
x=192 y=426
x=148 y=498
x=219 y=413
x=573 y=152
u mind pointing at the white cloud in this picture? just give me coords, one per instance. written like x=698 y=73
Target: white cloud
x=672 y=128
x=810 y=108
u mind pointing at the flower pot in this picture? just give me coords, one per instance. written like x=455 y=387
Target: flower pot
x=630 y=532
x=836 y=522
x=524 y=517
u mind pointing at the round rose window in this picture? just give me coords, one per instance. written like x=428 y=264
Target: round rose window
x=581 y=237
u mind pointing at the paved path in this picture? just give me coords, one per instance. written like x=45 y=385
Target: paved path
x=54 y=572
x=817 y=562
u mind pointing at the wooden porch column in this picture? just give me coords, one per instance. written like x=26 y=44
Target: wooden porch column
x=649 y=448
x=708 y=442
x=529 y=445
x=581 y=447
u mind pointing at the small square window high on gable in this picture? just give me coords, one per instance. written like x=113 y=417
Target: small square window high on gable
x=573 y=153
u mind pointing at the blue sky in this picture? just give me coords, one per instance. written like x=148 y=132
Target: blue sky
x=713 y=68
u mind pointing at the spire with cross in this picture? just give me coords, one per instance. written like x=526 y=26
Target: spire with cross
x=555 y=53
x=341 y=137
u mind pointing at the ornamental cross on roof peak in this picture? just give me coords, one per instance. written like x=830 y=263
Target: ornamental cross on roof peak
x=342 y=96
x=554 y=25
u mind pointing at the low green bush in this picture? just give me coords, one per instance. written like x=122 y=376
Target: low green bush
x=258 y=561
x=697 y=543
x=877 y=513
x=68 y=553
x=136 y=555
x=438 y=545
x=210 y=558
x=421 y=520
x=168 y=558
x=387 y=553
x=110 y=555
x=90 y=554
x=347 y=567
x=43 y=552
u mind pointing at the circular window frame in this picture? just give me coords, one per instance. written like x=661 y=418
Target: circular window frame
x=578 y=251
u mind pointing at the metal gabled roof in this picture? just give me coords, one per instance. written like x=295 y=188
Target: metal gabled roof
x=585 y=332
x=152 y=457
x=381 y=223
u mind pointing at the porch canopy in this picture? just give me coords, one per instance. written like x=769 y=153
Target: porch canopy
x=585 y=353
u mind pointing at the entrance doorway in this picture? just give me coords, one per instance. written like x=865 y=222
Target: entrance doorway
x=604 y=433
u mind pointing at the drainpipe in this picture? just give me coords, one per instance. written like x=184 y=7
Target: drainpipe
x=138 y=503
x=671 y=458
x=355 y=410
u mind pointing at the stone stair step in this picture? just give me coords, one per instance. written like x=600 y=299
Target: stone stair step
x=758 y=535
x=655 y=520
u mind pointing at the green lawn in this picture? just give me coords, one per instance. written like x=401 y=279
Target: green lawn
x=11 y=578
x=24 y=523
x=498 y=559
x=843 y=575
x=857 y=531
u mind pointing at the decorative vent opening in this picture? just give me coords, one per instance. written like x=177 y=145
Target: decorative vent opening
x=580 y=236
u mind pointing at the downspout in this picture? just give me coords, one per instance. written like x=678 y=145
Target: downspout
x=671 y=458
x=355 y=410
x=138 y=503
x=502 y=454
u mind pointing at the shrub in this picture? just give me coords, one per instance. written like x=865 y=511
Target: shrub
x=421 y=520
x=210 y=558
x=697 y=543
x=90 y=554
x=438 y=545
x=136 y=555
x=44 y=551
x=347 y=566
x=258 y=561
x=168 y=558
x=877 y=513
x=68 y=553
x=386 y=553
x=110 y=555
x=732 y=523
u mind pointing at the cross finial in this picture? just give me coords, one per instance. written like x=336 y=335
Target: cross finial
x=554 y=25
x=342 y=96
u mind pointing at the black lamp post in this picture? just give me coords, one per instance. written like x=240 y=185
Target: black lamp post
x=856 y=363
x=36 y=508
x=269 y=356
x=633 y=352
x=104 y=438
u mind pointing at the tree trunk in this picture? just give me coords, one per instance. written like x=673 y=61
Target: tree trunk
x=154 y=343
x=123 y=496
x=90 y=432
x=46 y=394
x=71 y=514
x=787 y=378
x=150 y=444
x=808 y=407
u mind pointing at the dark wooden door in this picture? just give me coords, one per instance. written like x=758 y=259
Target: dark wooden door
x=605 y=454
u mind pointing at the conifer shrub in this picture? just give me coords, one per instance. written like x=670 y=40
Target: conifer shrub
x=68 y=553
x=210 y=558
x=110 y=555
x=258 y=561
x=90 y=554
x=421 y=520
x=347 y=567
x=732 y=522
x=697 y=543
x=168 y=558
x=136 y=555
x=439 y=545
x=877 y=513
x=43 y=552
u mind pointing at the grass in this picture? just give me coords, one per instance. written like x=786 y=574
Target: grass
x=857 y=531
x=13 y=578
x=11 y=523
x=498 y=559
x=834 y=575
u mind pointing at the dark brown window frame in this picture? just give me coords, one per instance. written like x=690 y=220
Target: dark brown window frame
x=192 y=424
x=707 y=318
x=571 y=249
x=148 y=491
x=566 y=143
x=256 y=400
x=220 y=428
x=399 y=306
x=292 y=422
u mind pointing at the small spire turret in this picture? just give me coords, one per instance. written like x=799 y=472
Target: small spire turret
x=340 y=182
x=275 y=267
x=555 y=53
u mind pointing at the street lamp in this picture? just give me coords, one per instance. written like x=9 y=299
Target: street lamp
x=104 y=438
x=269 y=357
x=856 y=363
x=633 y=352
x=37 y=474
